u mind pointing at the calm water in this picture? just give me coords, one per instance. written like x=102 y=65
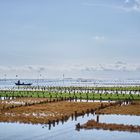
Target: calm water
x=66 y=131
x=69 y=82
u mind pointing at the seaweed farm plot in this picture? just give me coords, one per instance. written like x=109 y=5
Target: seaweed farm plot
x=12 y=102
x=46 y=112
x=87 y=93
x=132 y=108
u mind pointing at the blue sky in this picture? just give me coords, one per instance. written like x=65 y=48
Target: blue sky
x=80 y=38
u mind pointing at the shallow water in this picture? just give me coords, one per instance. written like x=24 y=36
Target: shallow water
x=66 y=131
x=10 y=83
x=91 y=101
x=120 y=119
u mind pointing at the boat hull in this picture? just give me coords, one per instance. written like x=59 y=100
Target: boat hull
x=17 y=84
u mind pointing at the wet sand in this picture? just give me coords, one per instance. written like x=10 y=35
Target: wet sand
x=12 y=103
x=92 y=124
x=40 y=110
x=130 y=109
x=46 y=112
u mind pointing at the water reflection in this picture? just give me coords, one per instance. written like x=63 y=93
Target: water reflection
x=66 y=129
x=116 y=119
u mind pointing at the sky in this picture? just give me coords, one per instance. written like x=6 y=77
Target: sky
x=94 y=39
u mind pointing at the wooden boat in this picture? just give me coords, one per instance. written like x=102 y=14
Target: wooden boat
x=18 y=83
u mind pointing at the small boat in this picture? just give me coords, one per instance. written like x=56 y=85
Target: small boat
x=18 y=83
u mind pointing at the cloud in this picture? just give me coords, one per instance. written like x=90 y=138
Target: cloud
x=125 y=5
x=98 y=38
x=138 y=68
x=73 y=69
x=101 y=5
x=126 y=1
x=118 y=66
x=131 y=5
x=121 y=63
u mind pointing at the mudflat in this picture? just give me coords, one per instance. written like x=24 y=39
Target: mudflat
x=130 y=109
x=44 y=112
